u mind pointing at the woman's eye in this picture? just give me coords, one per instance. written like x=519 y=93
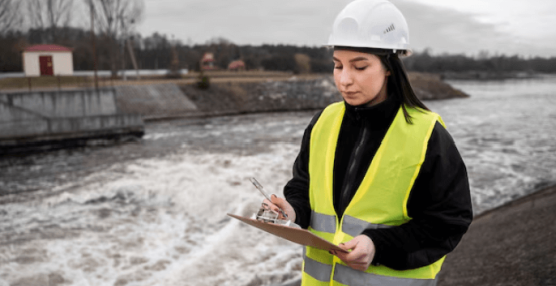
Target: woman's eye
x=338 y=67
x=360 y=68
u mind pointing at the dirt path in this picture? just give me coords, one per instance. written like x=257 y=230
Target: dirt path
x=511 y=245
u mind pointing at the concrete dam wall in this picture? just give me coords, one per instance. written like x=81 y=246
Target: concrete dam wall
x=31 y=118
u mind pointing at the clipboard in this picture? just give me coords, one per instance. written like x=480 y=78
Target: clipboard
x=296 y=235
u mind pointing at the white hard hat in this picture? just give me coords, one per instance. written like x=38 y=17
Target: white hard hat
x=371 y=24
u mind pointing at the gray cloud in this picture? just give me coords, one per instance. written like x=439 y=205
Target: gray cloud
x=445 y=30
x=309 y=22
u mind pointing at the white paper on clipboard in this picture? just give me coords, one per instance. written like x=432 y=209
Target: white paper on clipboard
x=297 y=235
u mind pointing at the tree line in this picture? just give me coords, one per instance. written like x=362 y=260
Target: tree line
x=484 y=62
x=68 y=22
x=50 y=22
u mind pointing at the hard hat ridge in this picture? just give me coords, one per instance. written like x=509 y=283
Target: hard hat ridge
x=371 y=24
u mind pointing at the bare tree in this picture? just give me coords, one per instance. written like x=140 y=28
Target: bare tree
x=115 y=20
x=10 y=15
x=50 y=15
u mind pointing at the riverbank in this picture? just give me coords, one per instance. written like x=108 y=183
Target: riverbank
x=292 y=94
x=510 y=245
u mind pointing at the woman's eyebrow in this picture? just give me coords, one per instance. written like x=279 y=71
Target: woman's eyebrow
x=358 y=59
x=352 y=60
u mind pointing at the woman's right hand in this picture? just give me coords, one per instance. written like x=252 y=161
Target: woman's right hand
x=283 y=204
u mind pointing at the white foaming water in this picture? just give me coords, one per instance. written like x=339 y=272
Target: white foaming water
x=506 y=135
x=161 y=220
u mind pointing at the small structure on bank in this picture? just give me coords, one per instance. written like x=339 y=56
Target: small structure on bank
x=207 y=62
x=45 y=60
x=238 y=65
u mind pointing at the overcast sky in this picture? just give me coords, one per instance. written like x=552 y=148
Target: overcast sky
x=525 y=27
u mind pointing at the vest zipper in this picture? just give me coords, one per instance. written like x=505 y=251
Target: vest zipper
x=353 y=166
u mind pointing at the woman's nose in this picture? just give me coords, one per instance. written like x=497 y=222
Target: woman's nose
x=346 y=78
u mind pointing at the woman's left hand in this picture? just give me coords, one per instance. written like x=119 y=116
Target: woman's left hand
x=361 y=254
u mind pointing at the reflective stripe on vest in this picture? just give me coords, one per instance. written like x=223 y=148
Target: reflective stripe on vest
x=351 y=225
x=354 y=226
x=323 y=222
x=317 y=270
x=348 y=276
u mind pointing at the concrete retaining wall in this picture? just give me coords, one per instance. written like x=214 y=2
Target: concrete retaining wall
x=154 y=101
x=34 y=117
x=72 y=103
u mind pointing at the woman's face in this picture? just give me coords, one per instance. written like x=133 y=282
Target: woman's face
x=360 y=77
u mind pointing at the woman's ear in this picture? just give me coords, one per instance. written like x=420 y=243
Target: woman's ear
x=388 y=73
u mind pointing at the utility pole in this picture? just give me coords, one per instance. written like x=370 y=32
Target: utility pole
x=94 y=44
x=127 y=42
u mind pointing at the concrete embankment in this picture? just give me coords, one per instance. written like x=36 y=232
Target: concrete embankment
x=510 y=245
x=51 y=118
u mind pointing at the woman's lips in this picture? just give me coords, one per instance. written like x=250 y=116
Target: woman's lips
x=350 y=93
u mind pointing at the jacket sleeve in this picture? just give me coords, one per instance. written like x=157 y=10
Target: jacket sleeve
x=439 y=205
x=296 y=190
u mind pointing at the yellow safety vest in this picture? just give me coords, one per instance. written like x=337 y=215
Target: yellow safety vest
x=380 y=200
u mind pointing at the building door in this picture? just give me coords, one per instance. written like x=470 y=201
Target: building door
x=46 y=65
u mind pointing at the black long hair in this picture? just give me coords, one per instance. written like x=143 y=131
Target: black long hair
x=398 y=83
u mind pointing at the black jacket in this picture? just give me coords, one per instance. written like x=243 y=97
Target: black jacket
x=439 y=203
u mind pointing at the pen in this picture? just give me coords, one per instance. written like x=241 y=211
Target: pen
x=260 y=188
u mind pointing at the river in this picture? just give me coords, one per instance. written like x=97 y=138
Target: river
x=153 y=212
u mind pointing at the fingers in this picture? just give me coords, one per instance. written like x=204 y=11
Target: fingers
x=355 y=256
x=270 y=205
x=359 y=263
x=277 y=201
x=284 y=205
x=349 y=245
x=358 y=266
x=275 y=205
x=361 y=254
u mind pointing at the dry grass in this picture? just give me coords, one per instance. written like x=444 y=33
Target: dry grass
x=427 y=86
x=51 y=82
x=44 y=81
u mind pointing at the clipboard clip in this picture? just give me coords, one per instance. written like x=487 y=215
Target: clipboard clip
x=266 y=214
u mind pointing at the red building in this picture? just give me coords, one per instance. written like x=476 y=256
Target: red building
x=207 y=62
x=41 y=60
x=238 y=65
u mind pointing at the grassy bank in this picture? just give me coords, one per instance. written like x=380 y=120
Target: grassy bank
x=427 y=86
x=43 y=82
x=53 y=82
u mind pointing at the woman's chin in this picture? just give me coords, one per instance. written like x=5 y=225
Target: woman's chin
x=354 y=101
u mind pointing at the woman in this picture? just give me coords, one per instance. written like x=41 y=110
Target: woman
x=377 y=174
